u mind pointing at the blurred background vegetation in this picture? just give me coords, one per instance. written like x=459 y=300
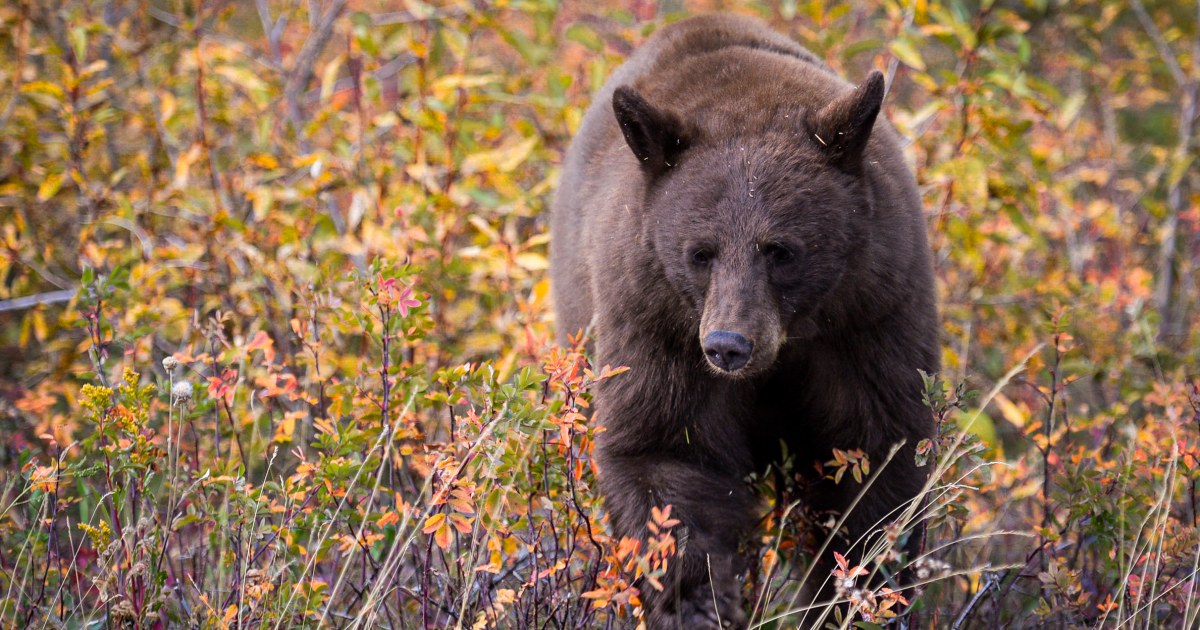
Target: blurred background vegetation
x=275 y=347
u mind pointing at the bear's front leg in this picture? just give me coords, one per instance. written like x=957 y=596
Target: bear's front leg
x=703 y=586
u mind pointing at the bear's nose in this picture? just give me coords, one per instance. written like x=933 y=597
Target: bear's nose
x=727 y=350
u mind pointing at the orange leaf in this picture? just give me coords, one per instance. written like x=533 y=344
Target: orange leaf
x=442 y=536
x=462 y=523
x=433 y=522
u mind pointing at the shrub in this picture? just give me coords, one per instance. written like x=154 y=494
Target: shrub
x=274 y=345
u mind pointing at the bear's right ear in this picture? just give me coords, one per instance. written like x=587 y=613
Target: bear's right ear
x=656 y=137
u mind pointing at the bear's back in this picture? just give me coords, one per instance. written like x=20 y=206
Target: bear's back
x=677 y=63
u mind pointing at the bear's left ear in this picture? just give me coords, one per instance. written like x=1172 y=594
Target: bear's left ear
x=843 y=127
x=657 y=137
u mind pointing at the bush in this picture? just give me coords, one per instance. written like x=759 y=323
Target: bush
x=276 y=348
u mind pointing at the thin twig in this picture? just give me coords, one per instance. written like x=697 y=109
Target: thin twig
x=990 y=582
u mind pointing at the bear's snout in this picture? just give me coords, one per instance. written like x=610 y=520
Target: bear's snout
x=728 y=351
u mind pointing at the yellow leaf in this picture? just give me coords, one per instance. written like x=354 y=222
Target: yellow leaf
x=532 y=261
x=167 y=105
x=419 y=10
x=43 y=87
x=242 y=77
x=540 y=291
x=50 y=186
x=502 y=159
x=308 y=159
x=444 y=86
x=286 y=428
x=482 y=225
x=325 y=426
x=1010 y=410
x=98 y=65
x=40 y=329
x=184 y=165
x=263 y=160
x=329 y=76
x=261 y=199
x=433 y=522
x=442 y=536
x=535 y=240
x=427 y=175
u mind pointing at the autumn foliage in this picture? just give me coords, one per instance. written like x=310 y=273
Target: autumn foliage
x=275 y=347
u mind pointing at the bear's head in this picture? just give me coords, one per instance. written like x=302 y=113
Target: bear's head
x=754 y=224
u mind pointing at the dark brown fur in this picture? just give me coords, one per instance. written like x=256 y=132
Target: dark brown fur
x=726 y=180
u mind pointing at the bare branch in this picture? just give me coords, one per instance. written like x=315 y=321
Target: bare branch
x=302 y=69
x=1170 y=305
x=1170 y=296
x=29 y=301
x=273 y=31
x=1160 y=43
x=407 y=17
x=232 y=42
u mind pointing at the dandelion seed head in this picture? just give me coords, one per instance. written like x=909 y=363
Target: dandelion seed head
x=181 y=391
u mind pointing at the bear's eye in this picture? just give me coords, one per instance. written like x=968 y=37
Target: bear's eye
x=779 y=254
x=701 y=256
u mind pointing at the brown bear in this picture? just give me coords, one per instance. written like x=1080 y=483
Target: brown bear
x=736 y=226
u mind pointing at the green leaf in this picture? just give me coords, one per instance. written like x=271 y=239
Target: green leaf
x=904 y=50
x=861 y=46
x=584 y=35
x=78 y=37
x=1070 y=109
